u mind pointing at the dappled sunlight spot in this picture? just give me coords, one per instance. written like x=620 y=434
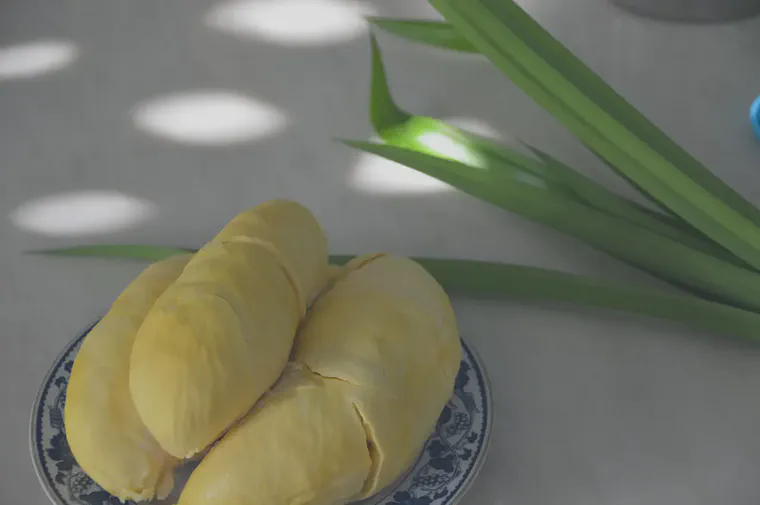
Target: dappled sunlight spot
x=373 y=174
x=212 y=117
x=476 y=126
x=292 y=22
x=82 y=213
x=453 y=149
x=33 y=59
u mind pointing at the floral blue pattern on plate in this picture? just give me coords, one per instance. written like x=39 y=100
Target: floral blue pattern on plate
x=445 y=469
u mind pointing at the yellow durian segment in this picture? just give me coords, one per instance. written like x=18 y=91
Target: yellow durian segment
x=373 y=365
x=302 y=249
x=103 y=429
x=302 y=444
x=219 y=337
x=333 y=273
x=388 y=330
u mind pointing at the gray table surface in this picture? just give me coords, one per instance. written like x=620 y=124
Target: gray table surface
x=590 y=407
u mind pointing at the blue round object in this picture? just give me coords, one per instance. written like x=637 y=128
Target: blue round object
x=754 y=116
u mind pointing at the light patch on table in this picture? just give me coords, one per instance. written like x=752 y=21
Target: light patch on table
x=33 y=59
x=446 y=147
x=211 y=117
x=476 y=126
x=82 y=213
x=373 y=174
x=292 y=22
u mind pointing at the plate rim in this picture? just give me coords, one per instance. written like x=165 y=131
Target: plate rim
x=467 y=481
x=39 y=466
x=464 y=486
x=488 y=407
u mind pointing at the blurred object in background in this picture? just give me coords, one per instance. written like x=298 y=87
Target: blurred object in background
x=692 y=10
x=754 y=117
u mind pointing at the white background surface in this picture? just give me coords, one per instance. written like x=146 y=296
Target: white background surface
x=590 y=408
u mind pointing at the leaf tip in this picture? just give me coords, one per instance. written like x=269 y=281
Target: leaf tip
x=383 y=111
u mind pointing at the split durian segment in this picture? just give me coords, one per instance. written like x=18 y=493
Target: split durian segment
x=303 y=443
x=220 y=335
x=296 y=236
x=103 y=429
x=373 y=366
x=387 y=329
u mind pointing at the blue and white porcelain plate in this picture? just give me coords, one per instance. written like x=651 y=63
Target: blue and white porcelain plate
x=445 y=469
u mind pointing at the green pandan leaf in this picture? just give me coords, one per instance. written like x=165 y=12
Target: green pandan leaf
x=434 y=137
x=594 y=87
x=497 y=280
x=490 y=162
x=432 y=33
x=599 y=197
x=503 y=281
x=124 y=251
x=443 y=35
x=638 y=246
x=383 y=112
x=560 y=83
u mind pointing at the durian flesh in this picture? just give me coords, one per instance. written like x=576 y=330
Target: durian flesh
x=221 y=334
x=376 y=360
x=193 y=343
x=386 y=328
x=103 y=429
x=303 y=443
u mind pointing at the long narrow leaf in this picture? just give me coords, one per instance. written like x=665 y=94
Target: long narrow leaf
x=440 y=34
x=402 y=129
x=383 y=111
x=124 y=251
x=599 y=197
x=492 y=27
x=638 y=246
x=530 y=283
x=593 y=86
x=443 y=35
x=586 y=188
x=500 y=281
x=432 y=33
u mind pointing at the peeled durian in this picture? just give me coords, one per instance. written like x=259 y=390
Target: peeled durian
x=370 y=353
x=103 y=429
x=303 y=443
x=387 y=328
x=220 y=335
x=373 y=365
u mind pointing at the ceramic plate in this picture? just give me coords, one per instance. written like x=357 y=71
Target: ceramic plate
x=445 y=469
